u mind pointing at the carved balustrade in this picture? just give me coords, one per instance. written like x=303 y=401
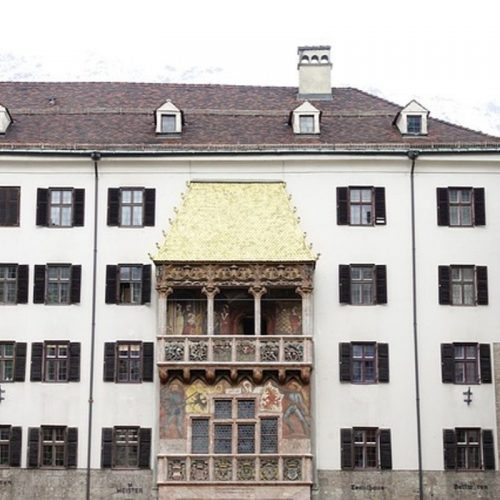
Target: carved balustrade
x=266 y=469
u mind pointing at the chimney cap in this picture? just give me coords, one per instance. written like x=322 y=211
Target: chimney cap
x=313 y=47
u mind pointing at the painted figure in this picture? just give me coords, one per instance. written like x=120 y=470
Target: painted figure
x=175 y=410
x=296 y=407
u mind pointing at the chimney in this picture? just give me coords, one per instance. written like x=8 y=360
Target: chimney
x=315 y=71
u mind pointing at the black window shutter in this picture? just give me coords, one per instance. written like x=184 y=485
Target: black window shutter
x=381 y=284
x=107 y=448
x=485 y=363
x=111 y=284
x=72 y=447
x=74 y=362
x=147 y=361
x=479 y=207
x=144 y=448
x=76 y=278
x=444 y=284
x=488 y=450
x=447 y=363
x=385 y=449
x=36 y=361
x=39 y=285
x=443 y=211
x=149 y=207
x=450 y=449
x=342 y=206
x=79 y=207
x=33 y=443
x=482 y=285
x=113 y=206
x=20 y=362
x=146 y=284
x=346 y=458
x=15 y=447
x=380 y=205
x=345 y=361
x=345 y=284
x=383 y=362
x=42 y=199
x=109 y=362
x=22 y=284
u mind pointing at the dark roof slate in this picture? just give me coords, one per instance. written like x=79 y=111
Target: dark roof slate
x=121 y=116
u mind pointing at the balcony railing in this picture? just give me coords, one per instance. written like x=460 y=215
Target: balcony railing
x=267 y=469
x=234 y=350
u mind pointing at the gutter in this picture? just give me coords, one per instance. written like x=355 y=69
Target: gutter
x=413 y=155
x=95 y=156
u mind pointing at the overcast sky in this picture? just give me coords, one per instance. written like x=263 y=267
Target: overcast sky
x=444 y=53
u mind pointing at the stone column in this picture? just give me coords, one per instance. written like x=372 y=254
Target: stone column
x=210 y=292
x=257 y=292
x=163 y=293
x=307 y=323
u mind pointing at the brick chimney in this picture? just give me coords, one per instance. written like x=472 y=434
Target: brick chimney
x=315 y=71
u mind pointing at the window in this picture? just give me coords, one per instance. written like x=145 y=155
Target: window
x=362 y=284
x=366 y=448
x=128 y=284
x=131 y=207
x=306 y=124
x=55 y=362
x=128 y=362
x=60 y=207
x=468 y=449
x=168 y=124
x=10 y=446
x=52 y=447
x=463 y=285
x=126 y=447
x=12 y=361
x=57 y=284
x=414 y=124
x=9 y=206
x=364 y=362
x=361 y=206
x=236 y=430
x=461 y=207
x=13 y=284
x=466 y=363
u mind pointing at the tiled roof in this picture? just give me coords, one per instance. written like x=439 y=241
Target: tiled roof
x=121 y=116
x=227 y=222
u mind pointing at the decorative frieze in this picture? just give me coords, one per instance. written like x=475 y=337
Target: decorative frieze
x=215 y=275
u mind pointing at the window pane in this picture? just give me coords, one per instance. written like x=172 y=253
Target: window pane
x=366 y=195
x=126 y=196
x=246 y=438
x=222 y=438
x=168 y=123
x=222 y=408
x=355 y=214
x=126 y=216
x=356 y=375
x=366 y=214
x=306 y=124
x=137 y=216
x=355 y=195
x=55 y=197
x=199 y=442
x=246 y=408
x=269 y=435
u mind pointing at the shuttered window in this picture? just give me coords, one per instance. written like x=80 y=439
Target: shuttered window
x=131 y=207
x=9 y=206
x=468 y=449
x=128 y=362
x=53 y=447
x=361 y=205
x=57 y=284
x=128 y=284
x=466 y=363
x=364 y=362
x=365 y=448
x=55 y=362
x=13 y=284
x=463 y=285
x=60 y=207
x=461 y=207
x=126 y=447
x=362 y=284
x=10 y=446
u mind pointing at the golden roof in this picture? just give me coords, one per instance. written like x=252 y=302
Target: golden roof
x=235 y=221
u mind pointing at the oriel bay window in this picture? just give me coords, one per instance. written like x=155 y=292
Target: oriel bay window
x=236 y=429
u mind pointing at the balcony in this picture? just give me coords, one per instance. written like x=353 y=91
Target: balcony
x=234 y=353
x=263 y=469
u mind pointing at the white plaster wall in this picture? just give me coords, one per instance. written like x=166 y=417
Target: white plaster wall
x=312 y=182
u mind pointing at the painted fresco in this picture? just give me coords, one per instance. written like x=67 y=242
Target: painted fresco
x=288 y=318
x=296 y=416
x=173 y=415
x=186 y=317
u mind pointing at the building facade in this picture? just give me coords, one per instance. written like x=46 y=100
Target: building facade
x=169 y=330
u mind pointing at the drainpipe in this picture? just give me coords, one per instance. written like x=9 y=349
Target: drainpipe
x=95 y=156
x=413 y=155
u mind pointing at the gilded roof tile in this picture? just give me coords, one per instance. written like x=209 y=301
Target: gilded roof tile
x=228 y=222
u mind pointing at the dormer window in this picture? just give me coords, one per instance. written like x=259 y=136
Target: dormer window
x=168 y=119
x=414 y=124
x=305 y=119
x=306 y=124
x=5 y=119
x=412 y=119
